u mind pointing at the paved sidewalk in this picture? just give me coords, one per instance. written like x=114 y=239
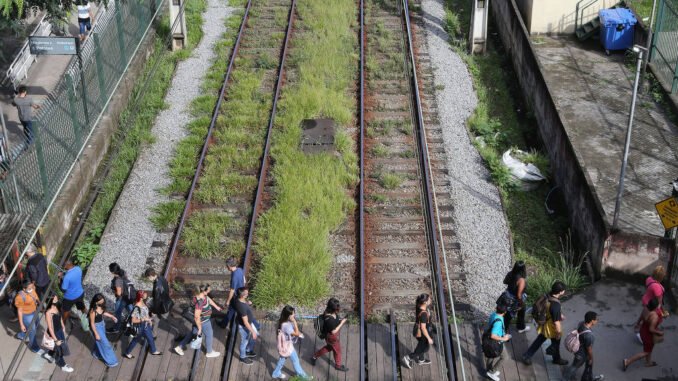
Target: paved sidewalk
x=43 y=77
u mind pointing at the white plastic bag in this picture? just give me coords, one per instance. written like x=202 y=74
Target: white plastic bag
x=195 y=343
x=522 y=171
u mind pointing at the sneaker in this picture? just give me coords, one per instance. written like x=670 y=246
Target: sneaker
x=424 y=362
x=497 y=373
x=247 y=361
x=560 y=362
x=47 y=357
x=281 y=377
x=526 y=360
x=213 y=354
x=250 y=354
x=178 y=350
x=406 y=362
x=599 y=378
x=549 y=351
x=492 y=376
x=524 y=330
x=67 y=368
x=342 y=368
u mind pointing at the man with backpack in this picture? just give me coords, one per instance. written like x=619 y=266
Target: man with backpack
x=124 y=292
x=547 y=315
x=36 y=271
x=493 y=341
x=580 y=342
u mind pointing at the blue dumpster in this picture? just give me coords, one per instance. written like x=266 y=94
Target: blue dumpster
x=616 y=28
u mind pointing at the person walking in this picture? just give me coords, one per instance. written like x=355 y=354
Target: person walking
x=121 y=289
x=248 y=326
x=499 y=334
x=142 y=319
x=162 y=302
x=237 y=281
x=36 y=271
x=56 y=332
x=515 y=296
x=653 y=289
x=585 y=353
x=85 y=18
x=26 y=302
x=422 y=332
x=102 y=347
x=74 y=294
x=551 y=329
x=25 y=105
x=332 y=325
x=288 y=333
x=201 y=305
x=649 y=333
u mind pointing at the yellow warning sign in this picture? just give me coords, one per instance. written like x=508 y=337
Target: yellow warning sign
x=668 y=212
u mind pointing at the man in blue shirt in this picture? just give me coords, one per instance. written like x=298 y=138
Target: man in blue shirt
x=237 y=281
x=71 y=285
x=498 y=333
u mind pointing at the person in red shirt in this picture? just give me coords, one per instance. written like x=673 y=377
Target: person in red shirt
x=653 y=290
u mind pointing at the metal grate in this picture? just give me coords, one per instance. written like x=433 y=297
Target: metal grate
x=664 y=53
x=30 y=181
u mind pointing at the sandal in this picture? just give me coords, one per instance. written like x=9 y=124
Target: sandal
x=129 y=356
x=653 y=363
x=625 y=365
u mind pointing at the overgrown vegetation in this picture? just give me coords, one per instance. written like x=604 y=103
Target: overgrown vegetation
x=497 y=128
x=311 y=191
x=135 y=123
x=643 y=8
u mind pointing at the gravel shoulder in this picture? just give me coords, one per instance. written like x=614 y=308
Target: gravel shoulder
x=129 y=235
x=479 y=219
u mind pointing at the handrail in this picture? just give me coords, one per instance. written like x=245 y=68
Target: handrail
x=263 y=171
x=361 y=217
x=24 y=55
x=579 y=17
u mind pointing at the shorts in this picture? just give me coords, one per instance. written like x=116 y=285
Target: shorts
x=79 y=303
x=84 y=24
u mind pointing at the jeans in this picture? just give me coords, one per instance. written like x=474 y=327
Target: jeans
x=554 y=347
x=230 y=314
x=28 y=130
x=570 y=372
x=246 y=340
x=207 y=335
x=32 y=341
x=119 y=308
x=145 y=330
x=277 y=372
x=492 y=364
x=421 y=350
x=103 y=350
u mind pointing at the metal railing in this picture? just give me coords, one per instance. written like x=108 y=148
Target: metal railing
x=664 y=53
x=18 y=70
x=582 y=5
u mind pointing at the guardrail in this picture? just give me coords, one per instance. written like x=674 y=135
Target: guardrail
x=18 y=70
x=664 y=53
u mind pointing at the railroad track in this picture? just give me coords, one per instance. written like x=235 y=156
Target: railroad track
x=399 y=216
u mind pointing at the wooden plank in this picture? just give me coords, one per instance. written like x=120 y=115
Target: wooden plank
x=334 y=374
x=214 y=366
x=520 y=345
x=509 y=369
x=151 y=368
x=388 y=355
x=125 y=370
x=259 y=370
x=372 y=349
x=354 y=352
x=323 y=363
x=405 y=348
x=169 y=365
x=307 y=347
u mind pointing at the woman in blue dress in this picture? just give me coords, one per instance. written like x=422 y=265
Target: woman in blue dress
x=103 y=350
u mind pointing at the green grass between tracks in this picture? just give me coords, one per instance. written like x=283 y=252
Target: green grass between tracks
x=538 y=239
x=135 y=128
x=311 y=192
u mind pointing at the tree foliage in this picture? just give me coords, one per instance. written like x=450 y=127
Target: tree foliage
x=15 y=10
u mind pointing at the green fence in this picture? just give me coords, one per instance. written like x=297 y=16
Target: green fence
x=664 y=53
x=69 y=114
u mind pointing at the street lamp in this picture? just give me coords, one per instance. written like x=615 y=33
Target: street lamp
x=620 y=189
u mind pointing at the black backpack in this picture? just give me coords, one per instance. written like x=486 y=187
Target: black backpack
x=319 y=325
x=129 y=293
x=491 y=348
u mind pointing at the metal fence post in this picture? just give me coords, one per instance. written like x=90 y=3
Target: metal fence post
x=72 y=110
x=41 y=161
x=660 y=21
x=121 y=36
x=100 y=70
x=674 y=87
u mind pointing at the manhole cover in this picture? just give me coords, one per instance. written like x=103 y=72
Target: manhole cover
x=317 y=135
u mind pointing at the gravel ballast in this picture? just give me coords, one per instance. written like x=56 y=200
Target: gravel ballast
x=479 y=219
x=129 y=234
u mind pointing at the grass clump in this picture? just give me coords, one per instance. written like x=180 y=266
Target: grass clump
x=136 y=122
x=390 y=181
x=311 y=197
x=203 y=235
x=166 y=215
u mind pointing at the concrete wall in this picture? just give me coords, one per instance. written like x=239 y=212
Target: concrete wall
x=588 y=227
x=556 y=16
x=66 y=209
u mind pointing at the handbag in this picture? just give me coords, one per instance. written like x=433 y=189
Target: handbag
x=47 y=341
x=195 y=343
x=132 y=329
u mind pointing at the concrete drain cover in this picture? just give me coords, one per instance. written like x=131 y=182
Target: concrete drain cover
x=317 y=135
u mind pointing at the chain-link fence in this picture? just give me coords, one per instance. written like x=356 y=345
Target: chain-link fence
x=664 y=53
x=31 y=178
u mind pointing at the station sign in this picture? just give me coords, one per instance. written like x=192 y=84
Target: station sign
x=51 y=45
x=668 y=212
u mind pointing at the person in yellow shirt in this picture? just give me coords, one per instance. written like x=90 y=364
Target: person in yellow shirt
x=26 y=302
x=551 y=330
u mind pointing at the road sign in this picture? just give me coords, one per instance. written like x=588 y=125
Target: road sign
x=668 y=212
x=49 y=45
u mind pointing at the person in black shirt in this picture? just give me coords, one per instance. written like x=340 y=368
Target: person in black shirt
x=585 y=353
x=332 y=326
x=36 y=271
x=516 y=284
x=248 y=326
x=162 y=303
x=421 y=332
x=551 y=329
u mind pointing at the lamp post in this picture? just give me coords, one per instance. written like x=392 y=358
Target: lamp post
x=620 y=189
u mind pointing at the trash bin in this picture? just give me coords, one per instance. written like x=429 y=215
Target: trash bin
x=616 y=28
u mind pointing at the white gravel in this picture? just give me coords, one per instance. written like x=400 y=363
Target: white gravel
x=129 y=234
x=480 y=223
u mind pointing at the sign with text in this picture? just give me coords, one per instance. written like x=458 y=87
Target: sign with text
x=48 y=45
x=668 y=212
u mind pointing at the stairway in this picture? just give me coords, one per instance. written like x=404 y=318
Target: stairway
x=588 y=30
